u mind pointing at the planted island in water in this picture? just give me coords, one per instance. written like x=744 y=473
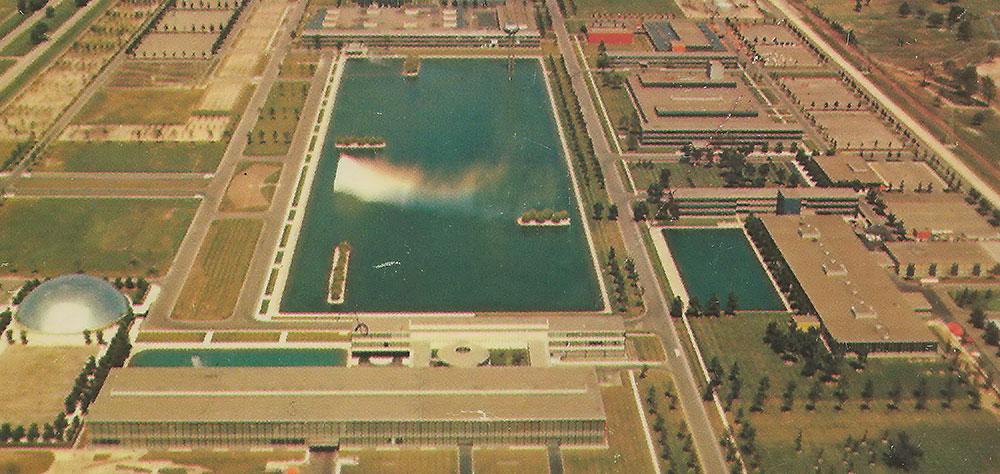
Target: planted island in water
x=545 y=217
x=360 y=141
x=338 y=273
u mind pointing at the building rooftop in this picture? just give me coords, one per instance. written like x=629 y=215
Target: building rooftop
x=962 y=252
x=71 y=304
x=845 y=167
x=940 y=213
x=854 y=297
x=765 y=193
x=503 y=323
x=347 y=394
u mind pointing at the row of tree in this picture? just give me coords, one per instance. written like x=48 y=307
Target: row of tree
x=777 y=266
x=621 y=286
x=578 y=139
x=90 y=380
x=25 y=289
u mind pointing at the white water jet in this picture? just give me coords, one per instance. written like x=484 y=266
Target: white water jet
x=374 y=180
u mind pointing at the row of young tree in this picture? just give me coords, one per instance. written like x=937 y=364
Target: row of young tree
x=90 y=380
x=580 y=144
x=624 y=286
x=776 y=264
x=712 y=308
x=653 y=398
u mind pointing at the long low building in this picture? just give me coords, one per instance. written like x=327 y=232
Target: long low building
x=858 y=305
x=331 y=407
x=732 y=201
x=941 y=259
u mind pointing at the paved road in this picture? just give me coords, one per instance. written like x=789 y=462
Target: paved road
x=921 y=132
x=656 y=318
x=174 y=280
x=102 y=78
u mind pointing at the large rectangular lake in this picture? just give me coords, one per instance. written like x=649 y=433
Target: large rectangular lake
x=720 y=261
x=431 y=217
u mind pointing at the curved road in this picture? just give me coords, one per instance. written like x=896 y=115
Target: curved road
x=657 y=318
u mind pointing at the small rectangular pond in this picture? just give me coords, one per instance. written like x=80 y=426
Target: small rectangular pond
x=239 y=358
x=719 y=261
x=430 y=219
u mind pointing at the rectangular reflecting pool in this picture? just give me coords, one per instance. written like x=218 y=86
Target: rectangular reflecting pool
x=430 y=219
x=719 y=261
x=239 y=358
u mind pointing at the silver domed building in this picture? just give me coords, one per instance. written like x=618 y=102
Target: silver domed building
x=71 y=304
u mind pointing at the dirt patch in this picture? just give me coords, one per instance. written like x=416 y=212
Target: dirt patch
x=221 y=95
x=248 y=190
x=198 y=128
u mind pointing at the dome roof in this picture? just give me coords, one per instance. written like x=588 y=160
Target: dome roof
x=70 y=304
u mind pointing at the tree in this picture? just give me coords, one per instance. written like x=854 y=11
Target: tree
x=50 y=12
x=901 y=453
x=978 y=318
x=895 y=395
x=904 y=9
x=732 y=305
x=910 y=270
x=613 y=212
x=714 y=306
x=964 y=31
x=33 y=433
x=598 y=210
x=640 y=211
x=815 y=393
x=676 y=307
x=39 y=32
x=935 y=20
x=987 y=88
x=867 y=394
x=992 y=335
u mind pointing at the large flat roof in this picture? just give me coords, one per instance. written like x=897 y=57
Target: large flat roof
x=854 y=297
x=495 y=323
x=963 y=252
x=940 y=213
x=765 y=193
x=243 y=394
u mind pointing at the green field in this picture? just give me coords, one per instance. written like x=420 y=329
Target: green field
x=22 y=44
x=214 y=283
x=681 y=175
x=225 y=462
x=908 y=42
x=25 y=462
x=140 y=106
x=53 y=236
x=132 y=157
x=404 y=461
x=586 y=8
x=510 y=461
x=10 y=17
x=5 y=64
x=275 y=127
x=739 y=340
x=627 y=452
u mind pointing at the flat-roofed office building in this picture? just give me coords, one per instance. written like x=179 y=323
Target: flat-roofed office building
x=325 y=407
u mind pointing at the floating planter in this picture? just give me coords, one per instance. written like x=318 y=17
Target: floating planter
x=362 y=142
x=338 y=273
x=543 y=218
x=411 y=66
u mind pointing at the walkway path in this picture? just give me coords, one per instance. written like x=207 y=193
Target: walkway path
x=656 y=318
x=921 y=132
x=173 y=282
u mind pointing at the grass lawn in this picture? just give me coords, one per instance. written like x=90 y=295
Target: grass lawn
x=589 y=7
x=958 y=440
x=214 y=282
x=131 y=157
x=908 y=42
x=140 y=106
x=5 y=64
x=646 y=347
x=510 y=461
x=246 y=336
x=25 y=462
x=299 y=65
x=37 y=380
x=22 y=44
x=225 y=462
x=318 y=336
x=10 y=17
x=673 y=417
x=272 y=134
x=627 y=452
x=739 y=339
x=681 y=175
x=403 y=461
x=171 y=336
x=53 y=236
x=939 y=431
x=984 y=298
